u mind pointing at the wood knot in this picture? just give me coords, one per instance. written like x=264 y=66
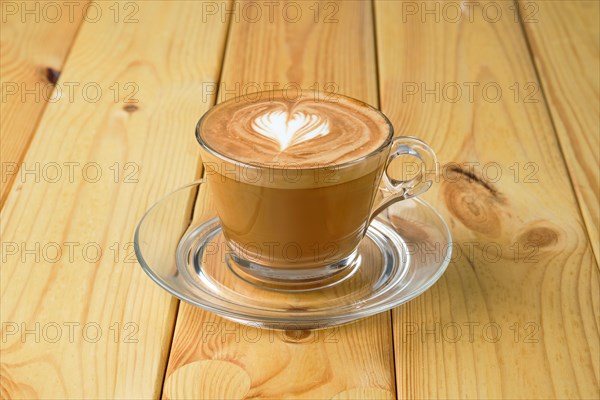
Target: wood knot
x=52 y=75
x=296 y=335
x=539 y=237
x=130 y=108
x=456 y=173
x=473 y=201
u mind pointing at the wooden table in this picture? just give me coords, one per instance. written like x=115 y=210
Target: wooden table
x=99 y=105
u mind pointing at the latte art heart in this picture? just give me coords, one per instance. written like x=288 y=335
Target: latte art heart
x=288 y=130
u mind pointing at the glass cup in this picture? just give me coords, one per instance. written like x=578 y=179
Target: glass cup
x=286 y=225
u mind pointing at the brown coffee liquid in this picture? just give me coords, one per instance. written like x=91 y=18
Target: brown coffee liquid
x=303 y=227
x=288 y=211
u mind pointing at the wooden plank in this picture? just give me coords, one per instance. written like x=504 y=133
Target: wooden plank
x=36 y=40
x=114 y=324
x=497 y=325
x=565 y=41
x=352 y=361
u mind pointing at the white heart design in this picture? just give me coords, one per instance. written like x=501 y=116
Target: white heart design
x=278 y=126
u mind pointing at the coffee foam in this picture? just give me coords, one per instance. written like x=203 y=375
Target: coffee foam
x=308 y=131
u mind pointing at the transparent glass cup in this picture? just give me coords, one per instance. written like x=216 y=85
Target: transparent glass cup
x=287 y=225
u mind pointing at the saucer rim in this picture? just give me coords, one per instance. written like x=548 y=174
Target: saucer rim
x=271 y=322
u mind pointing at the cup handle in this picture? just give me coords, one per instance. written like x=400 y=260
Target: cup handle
x=393 y=190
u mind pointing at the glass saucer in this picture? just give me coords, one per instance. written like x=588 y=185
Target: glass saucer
x=180 y=245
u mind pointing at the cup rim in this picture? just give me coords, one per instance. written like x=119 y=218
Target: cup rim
x=346 y=164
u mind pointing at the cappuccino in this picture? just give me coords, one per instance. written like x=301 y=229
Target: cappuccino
x=294 y=181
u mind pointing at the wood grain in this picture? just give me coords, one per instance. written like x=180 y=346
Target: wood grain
x=565 y=41
x=121 y=321
x=33 y=50
x=352 y=361
x=499 y=324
